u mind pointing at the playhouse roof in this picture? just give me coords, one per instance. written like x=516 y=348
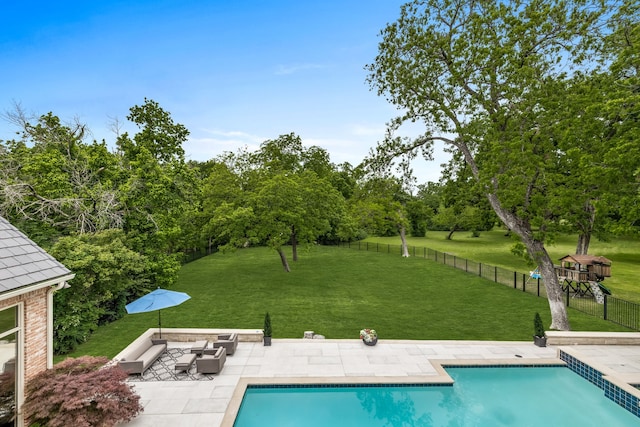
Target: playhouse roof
x=586 y=259
x=22 y=262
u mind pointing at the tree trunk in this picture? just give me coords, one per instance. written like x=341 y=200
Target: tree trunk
x=583 y=244
x=403 y=239
x=584 y=238
x=294 y=244
x=537 y=251
x=450 y=235
x=283 y=258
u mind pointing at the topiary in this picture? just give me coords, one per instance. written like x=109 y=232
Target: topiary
x=538 y=327
x=267 y=325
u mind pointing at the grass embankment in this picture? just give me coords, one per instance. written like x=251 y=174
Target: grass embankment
x=336 y=292
x=494 y=248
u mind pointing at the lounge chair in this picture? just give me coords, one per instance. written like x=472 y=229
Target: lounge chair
x=211 y=364
x=228 y=341
x=199 y=346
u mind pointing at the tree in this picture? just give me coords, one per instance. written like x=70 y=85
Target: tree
x=51 y=179
x=158 y=135
x=159 y=191
x=283 y=193
x=226 y=220
x=294 y=208
x=107 y=272
x=419 y=214
x=81 y=392
x=379 y=207
x=463 y=206
x=478 y=75
x=619 y=91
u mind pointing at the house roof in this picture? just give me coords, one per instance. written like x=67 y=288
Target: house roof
x=586 y=259
x=22 y=262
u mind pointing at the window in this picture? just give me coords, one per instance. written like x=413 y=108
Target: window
x=9 y=330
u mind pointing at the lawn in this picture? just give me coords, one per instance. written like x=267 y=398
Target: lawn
x=494 y=248
x=336 y=292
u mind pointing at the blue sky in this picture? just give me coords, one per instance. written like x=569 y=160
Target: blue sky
x=234 y=73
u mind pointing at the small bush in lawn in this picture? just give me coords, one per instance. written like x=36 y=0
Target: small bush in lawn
x=538 y=326
x=81 y=392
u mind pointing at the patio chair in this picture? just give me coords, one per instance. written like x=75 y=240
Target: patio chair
x=212 y=364
x=228 y=341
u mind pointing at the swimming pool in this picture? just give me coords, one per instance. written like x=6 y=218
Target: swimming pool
x=511 y=396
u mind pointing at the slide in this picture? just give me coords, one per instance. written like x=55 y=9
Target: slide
x=604 y=289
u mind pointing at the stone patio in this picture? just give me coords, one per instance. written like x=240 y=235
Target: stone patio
x=215 y=400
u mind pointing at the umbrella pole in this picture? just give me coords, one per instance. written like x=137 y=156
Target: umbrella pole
x=160 y=324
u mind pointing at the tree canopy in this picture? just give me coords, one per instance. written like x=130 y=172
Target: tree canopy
x=492 y=81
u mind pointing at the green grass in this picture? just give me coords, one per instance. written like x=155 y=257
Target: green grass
x=494 y=248
x=336 y=292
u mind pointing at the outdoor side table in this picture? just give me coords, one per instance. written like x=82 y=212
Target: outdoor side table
x=185 y=361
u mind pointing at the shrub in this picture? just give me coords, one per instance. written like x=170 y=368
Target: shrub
x=538 y=327
x=267 y=325
x=81 y=392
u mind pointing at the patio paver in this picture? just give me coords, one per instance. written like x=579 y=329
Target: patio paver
x=171 y=403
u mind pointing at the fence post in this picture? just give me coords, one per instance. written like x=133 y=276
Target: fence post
x=480 y=269
x=568 y=296
x=605 y=306
x=515 y=279
x=538 y=286
x=466 y=265
x=495 y=274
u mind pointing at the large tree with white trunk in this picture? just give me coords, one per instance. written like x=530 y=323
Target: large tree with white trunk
x=488 y=79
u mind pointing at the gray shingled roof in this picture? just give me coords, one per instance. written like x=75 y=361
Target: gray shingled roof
x=22 y=262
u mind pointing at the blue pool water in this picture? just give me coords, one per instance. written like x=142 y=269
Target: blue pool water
x=491 y=397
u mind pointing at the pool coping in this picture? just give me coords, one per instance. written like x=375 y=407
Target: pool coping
x=619 y=387
x=441 y=377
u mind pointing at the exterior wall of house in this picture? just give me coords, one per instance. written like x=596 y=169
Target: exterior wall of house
x=34 y=332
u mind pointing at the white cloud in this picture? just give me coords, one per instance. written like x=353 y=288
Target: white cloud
x=235 y=135
x=282 y=69
x=368 y=130
x=213 y=142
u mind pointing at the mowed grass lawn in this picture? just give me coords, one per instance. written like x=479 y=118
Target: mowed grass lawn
x=494 y=248
x=336 y=292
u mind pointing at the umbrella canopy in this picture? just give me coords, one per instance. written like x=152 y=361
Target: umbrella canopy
x=157 y=300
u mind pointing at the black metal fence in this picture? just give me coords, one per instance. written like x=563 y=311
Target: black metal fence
x=192 y=255
x=616 y=310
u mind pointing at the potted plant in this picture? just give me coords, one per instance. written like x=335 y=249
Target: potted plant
x=267 y=329
x=369 y=336
x=539 y=336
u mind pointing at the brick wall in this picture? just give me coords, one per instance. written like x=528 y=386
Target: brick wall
x=35 y=330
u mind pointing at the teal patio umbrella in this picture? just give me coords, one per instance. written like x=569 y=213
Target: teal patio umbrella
x=157 y=300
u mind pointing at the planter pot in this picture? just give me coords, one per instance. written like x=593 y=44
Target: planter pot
x=373 y=342
x=540 y=341
x=267 y=341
